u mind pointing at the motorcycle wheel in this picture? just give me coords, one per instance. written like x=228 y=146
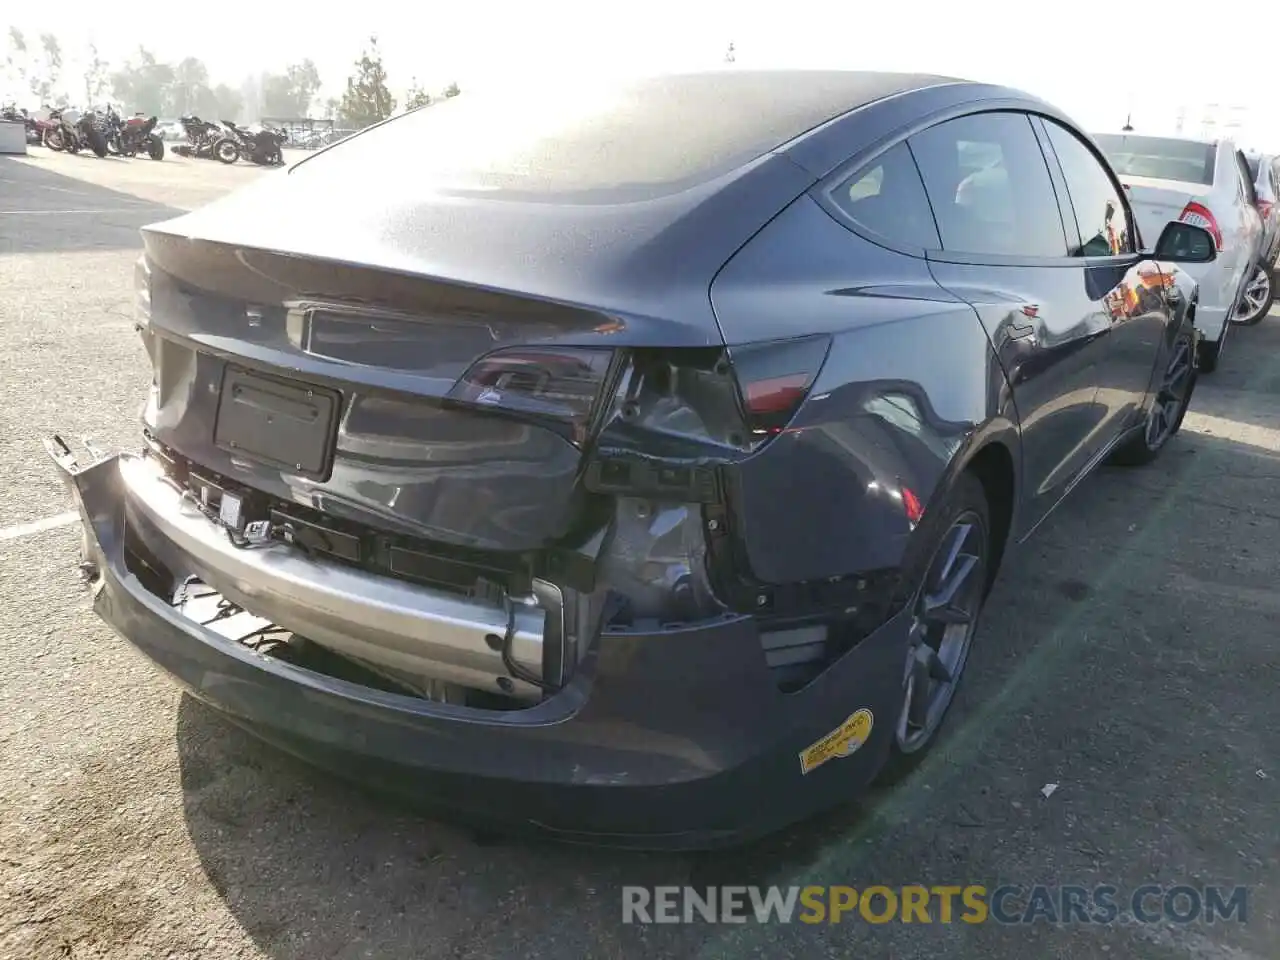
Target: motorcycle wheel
x=155 y=147
x=72 y=142
x=114 y=148
x=97 y=142
x=54 y=140
x=226 y=150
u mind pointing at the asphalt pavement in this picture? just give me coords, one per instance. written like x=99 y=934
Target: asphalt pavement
x=1128 y=655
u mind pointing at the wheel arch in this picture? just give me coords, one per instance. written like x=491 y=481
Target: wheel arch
x=994 y=465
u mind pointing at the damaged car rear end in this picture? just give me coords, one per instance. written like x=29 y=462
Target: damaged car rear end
x=479 y=476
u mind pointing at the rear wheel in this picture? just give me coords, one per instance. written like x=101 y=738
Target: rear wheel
x=226 y=151
x=97 y=142
x=155 y=148
x=1164 y=419
x=951 y=571
x=1255 y=302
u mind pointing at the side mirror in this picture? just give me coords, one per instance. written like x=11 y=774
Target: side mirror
x=1182 y=242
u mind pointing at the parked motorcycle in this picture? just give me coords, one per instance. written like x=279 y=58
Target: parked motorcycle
x=259 y=144
x=128 y=138
x=29 y=123
x=76 y=131
x=207 y=141
x=47 y=127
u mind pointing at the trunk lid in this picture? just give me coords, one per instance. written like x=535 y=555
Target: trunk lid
x=1155 y=202
x=323 y=363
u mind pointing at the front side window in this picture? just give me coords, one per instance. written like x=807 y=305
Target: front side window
x=888 y=198
x=989 y=186
x=1099 y=209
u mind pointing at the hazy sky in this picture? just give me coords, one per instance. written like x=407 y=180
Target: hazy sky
x=1090 y=61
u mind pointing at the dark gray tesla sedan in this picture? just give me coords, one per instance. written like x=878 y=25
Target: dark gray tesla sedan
x=631 y=466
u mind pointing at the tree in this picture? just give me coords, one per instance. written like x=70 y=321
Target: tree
x=367 y=99
x=17 y=58
x=417 y=97
x=38 y=72
x=188 y=90
x=289 y=95
x=451 y=91
x=95 y=76
x=251 y=97
x=229 y=104
x=44 y=78
x=144 y=84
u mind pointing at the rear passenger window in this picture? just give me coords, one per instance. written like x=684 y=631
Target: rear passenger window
x=1100 y=213
x=888 y=198
x=989 y=186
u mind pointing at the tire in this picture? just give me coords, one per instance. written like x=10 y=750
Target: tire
x=933 y=556
x=1210 y=351
x=97 y=142
x=54 y=140
x=114 y=148
x=1256 y=299
x=1168 y=407
x=155 y=147
x=226 y=151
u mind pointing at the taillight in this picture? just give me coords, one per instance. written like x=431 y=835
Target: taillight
x=1264 y=208
x=736 y=398
x=555 y=383
x=774 y=379
x=1197 y=214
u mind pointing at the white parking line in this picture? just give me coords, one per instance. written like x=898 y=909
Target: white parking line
x=28 y=213
x=39 y=526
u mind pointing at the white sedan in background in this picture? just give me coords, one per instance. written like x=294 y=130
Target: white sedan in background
x=1205 y=182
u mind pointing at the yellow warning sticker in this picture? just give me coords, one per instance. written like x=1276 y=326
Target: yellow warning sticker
x=840 y=742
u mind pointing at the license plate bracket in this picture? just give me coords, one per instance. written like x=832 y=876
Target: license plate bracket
x=281 y=423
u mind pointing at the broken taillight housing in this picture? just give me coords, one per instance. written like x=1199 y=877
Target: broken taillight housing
x=560 y=384
x=739 y=396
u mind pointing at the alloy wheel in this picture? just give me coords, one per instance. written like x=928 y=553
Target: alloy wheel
x=945 y=616
x=1166 y=411
x=1256 y=296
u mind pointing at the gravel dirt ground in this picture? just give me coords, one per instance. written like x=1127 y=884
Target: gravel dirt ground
x=1128 y=655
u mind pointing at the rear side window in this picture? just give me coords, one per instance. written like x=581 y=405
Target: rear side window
x=989 y=186
x=888 y=199
x=1099 y=210
x=1161 y=158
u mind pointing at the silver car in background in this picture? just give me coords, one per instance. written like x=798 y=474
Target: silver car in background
x=1261 y=290
x=1207 y=183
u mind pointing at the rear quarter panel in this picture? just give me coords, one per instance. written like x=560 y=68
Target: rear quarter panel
x=909 y=390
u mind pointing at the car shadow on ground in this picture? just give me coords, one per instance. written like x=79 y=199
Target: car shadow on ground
x=1103 y=667
x=43 y=211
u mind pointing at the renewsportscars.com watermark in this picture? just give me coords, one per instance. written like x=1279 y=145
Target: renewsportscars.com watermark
x=918 y=903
